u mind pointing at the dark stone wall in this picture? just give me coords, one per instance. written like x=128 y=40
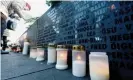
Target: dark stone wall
x=32 y=34
x=98 y=25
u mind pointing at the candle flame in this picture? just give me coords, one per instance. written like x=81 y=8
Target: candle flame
x=113 y=7
x=78 y=57
x=61 y=55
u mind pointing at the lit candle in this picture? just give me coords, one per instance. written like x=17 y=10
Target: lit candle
x=79 y=61
x=40 y=54
x=99 y=67
x=51 y=53
x=61 y=57
x=33 y=52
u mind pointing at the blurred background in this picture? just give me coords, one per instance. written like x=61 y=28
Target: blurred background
x=38 y=7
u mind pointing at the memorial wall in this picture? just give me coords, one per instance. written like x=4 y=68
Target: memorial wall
x=32 y=34
x=98 y=25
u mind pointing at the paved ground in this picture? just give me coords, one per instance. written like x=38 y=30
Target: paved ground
x=15 y=66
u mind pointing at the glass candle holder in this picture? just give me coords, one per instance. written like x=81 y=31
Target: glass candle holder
x=79 y=61
x=51 y=53
x=26 y=48
x=33 y=52
x=62 y=52
x=40 y=53
x=99 y=66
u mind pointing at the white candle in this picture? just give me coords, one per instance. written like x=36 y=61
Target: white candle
x=62 y=62
x=51 y=55
x=98 y=64
x=25 y=48
x=61 y=59
x=62 y=66
x=79 y=68
x=79 y=61
x=33 y=53
x=39 y=58
x=40 y=54
x=99 y=72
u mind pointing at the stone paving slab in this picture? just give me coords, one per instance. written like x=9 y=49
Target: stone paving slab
x=15 y=64
x=18 y=67
x=51 y=74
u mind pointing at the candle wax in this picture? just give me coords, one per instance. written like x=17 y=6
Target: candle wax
x=25 y=50
x=33 y=54
x=79 y=68
x=51 y=55
x=61 y=64
x=61 y=60
x=40 y=56
x=99 y=70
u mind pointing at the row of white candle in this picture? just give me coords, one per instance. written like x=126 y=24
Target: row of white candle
x=98 y=61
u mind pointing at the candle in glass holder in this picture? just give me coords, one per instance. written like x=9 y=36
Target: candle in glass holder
x=25 y=48
x=40 y=54
x=79 y=61
x=51 y=53
x=61 y=57
x=33 y=52
x=99 y=66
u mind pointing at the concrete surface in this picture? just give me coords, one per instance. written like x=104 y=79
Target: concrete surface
x=15 y=66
